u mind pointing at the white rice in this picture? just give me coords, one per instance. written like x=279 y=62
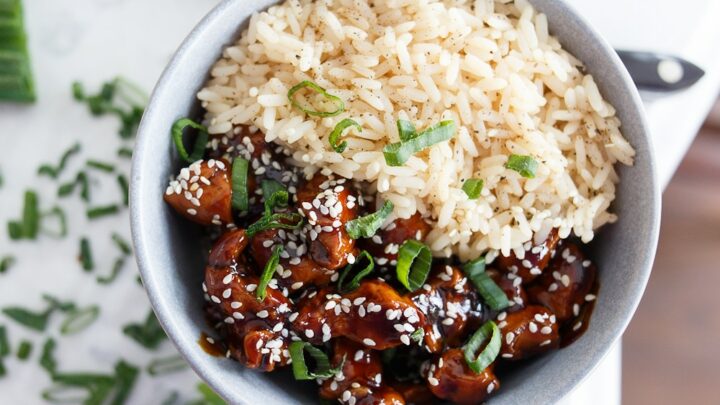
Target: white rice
x=491 y=66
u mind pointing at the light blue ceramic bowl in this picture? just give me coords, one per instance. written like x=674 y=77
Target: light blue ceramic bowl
x=171 y=263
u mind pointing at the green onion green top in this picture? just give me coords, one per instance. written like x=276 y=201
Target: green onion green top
x=396 y=154
x=239 y=183
x=473 y=188
x=525 y=165
x=354 y=282
x=329 y=99
x=322 y=363
x=490 y=334
x=198 y=149
x=338 y=131
x=365 y=227
x=270 y=266
x=492 y=295
x=413 y=264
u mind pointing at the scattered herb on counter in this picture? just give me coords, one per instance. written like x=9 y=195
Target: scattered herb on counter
x=31 y=319
x=209 y=397
x=54 y=171
x=59 y=214
x=24 y=350
x=28 y=226
x=118 y=265
x=102 y=166
x=85 y=256
x=166 y=365
x=79 y=319
x=47 y=357
x=172 y=399
x=121 y=243
x=55 y=303
x=125 y=152
x=118 y=97
x=102 y=211
x=124 y=188
x=81 y=179
x=148 y=334
x=4 y=343
x=6 y=262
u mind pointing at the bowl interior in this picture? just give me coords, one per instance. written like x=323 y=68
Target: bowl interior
x=171 y=258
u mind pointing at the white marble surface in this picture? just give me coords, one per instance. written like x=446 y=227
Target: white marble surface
x=93 y=40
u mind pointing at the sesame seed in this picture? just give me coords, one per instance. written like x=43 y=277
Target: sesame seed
x=405 y=340
x=546 y=330
x=226 y=294
x=192 y=211
x=309 y=333
x=215 y=299
x=533 y=327
x=590 y=297
x=296 y=285
x=238 y=315
x=509 y=337
x=433 y=381
x=368 y=342
x=262 y=314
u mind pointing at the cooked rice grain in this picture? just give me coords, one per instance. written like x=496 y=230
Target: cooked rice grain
x=489 y=65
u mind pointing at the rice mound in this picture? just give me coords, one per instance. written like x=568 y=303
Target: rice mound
x=491 y=66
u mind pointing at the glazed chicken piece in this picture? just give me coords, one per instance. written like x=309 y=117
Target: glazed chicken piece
x=528 y=332
x=202 y=192
x=451 y=379
x=416 y=394
x=567 y=285
x=386 y=242
x=374 y=315
x=362 y=367
x=257 y=333
x=242 y=143
x=451 y=306
x=512 y=285
x=536 y=259
x=372 y=396
x=328 y=204
x=298 y=269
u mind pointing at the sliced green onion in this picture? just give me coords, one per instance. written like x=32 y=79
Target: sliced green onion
x=268 y=272
x=118 y=97
x=81 y=179
x=418 y=335
x=493 y=295
x=354 y=282
x=33 y=320
x=489 y=333
x=97 y=212
x=125 y=152
x=28 y=226
x=322 y=363
x=117 y=267
x=6 y=262
x=275 y=221
x=472 y=187
x=79 y=319
x=122 y=182
x=365 y=227
x=200 y=142
x=240 y=184
x=47 y=357
x=525 y=165
x=396 y=154
x=125 y=377
x=4 y=343
x=24 y=350
x=58 y=213
x=339 y=104
x=148 y=334
x=166 y=365
x=54 y=172
x=16 y=81
x=86 y=257
x=54 y=303
x=338 y=131
x=406 y=130
x=103 y=166
x=413 y=264
x=275 y=195
x=121 y=243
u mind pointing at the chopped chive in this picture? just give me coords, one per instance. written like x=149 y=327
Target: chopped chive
x=365 y=227
x=97 y=212
x=489 y=333
x=275 y=195
x=239 y=182
x=406 y=130
x=413 y=264
x=81 y=180
x=4 y=343
x=125 y=152
x=6 y=262
x=55 y=303
x=121 y=243
x=275 y=221
x=103 y=166
x=28 y=226
x=56 y=212
x=336 y=101
x=200 y=141
x=86 y=257
x=148 y=334
x=166 y=365
x=117 y=267
x=118 y=97
x=396 y=154
x=171 y=399
x=337 y=132
x=125 y=377
x=268 y=272
x=525 y=165
x=354 y=282
x=209 y=397
x=418 y=335
x=473 y=188
x=3 y=370
x=124 y=188
x=79 y=319
x=54 y=172
x=322 y=363
x=33 y=320
x=492 y=295
x=47 y=357
x=24 y=350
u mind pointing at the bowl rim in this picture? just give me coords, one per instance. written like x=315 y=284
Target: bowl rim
x=141 y=156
